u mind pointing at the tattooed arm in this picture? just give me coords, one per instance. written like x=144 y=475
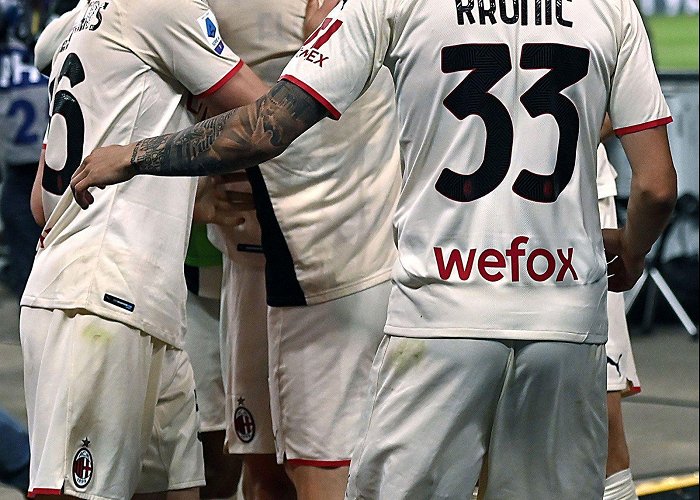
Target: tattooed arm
x=234 y=140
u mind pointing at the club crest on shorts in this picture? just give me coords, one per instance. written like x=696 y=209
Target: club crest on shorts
x=243 y=422
x=82 y=466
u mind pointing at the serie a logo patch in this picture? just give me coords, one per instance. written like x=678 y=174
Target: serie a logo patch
x=82 y=468
x=243 y=422
x=207 y=23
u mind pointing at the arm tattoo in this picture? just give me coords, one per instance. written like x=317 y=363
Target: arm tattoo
x=234 y=140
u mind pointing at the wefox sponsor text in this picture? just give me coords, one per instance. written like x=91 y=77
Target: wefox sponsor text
x=493 y=265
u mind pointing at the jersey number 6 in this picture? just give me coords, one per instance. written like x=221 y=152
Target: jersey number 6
x=490 y=63
x=65 y=104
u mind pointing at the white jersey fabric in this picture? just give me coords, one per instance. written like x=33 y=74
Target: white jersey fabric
x=55 y=32
x=325 y=205
x=497 y=226
x=118 y=78
x=605 y=175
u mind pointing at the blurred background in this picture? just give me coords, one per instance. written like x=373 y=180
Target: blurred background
x=661 y=422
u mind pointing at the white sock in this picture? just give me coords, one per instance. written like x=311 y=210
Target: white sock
x=619 y=486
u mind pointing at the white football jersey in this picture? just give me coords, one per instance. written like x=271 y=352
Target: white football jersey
x=500 y=107
x=123 y=74
x=326 y=204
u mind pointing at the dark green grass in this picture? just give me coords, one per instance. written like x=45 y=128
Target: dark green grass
x=675 y=41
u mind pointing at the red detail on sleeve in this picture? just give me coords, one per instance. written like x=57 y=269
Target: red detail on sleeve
x=319 y=463
x=43 y=145
x=313 y=35
x=335 y=114
x=223 y=81
x=43 y=491
x=643 y=126
x=324 y=38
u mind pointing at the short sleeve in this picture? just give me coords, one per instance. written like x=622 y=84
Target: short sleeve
x=342 y=57
x=180 y=38
x=51 y=37
x=636 y=100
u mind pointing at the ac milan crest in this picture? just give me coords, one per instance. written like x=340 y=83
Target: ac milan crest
x=82 y=466
x=243 y=422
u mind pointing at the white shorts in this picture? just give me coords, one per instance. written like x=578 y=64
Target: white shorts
x=439 y=405
x=244 y=342
x=320 y=359
x=103 y=401
x=202 y=345
x=622 y=372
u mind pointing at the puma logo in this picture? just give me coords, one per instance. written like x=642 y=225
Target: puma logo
x=615 y=364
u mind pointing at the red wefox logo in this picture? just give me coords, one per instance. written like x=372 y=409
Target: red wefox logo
x=491 y=261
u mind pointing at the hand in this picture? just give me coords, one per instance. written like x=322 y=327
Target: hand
x=624 y=266
x=103 y=167
x=223 y=200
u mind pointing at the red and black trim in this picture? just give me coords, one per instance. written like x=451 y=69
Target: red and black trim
x=223 y=80
x=335 y=114
x=281 y=283
x=643 y=126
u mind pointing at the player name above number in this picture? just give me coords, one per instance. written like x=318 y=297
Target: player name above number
x=523 y=12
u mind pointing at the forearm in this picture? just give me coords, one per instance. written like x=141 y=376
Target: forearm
x=234 y=140
x=606 y=131
x=653 y=188
x=647 y=216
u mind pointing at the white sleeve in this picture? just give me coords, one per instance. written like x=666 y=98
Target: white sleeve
x=636 y=100
x=342 y=57
x=51 y=37
x=185 y=42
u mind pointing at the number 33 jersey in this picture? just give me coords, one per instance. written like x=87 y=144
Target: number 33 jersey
x=500 y=105
x=122 y=74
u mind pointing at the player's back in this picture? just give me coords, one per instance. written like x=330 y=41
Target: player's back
x=325 y=204
x=121 y=75
x=497 y=223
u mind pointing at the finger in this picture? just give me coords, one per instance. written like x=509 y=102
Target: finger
x=78 y=175
x=82 y=195
x=239 y=176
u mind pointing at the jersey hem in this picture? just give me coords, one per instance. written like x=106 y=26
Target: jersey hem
x=345 y=290
x=333 y=294
x=221 y=82
x=38 y=303
x=335 y=114
x=529 y=335
x=643 y=126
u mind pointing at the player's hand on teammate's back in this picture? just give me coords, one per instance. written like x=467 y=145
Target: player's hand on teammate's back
x=624 y=265
x=217 y=203
x=103 y=167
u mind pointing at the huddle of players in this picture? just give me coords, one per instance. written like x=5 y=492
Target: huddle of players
x=329 y=255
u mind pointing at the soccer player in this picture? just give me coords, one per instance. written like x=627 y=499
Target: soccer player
x=110 y=393
x=497 y=321
x=328 y=299
x=622 y=379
